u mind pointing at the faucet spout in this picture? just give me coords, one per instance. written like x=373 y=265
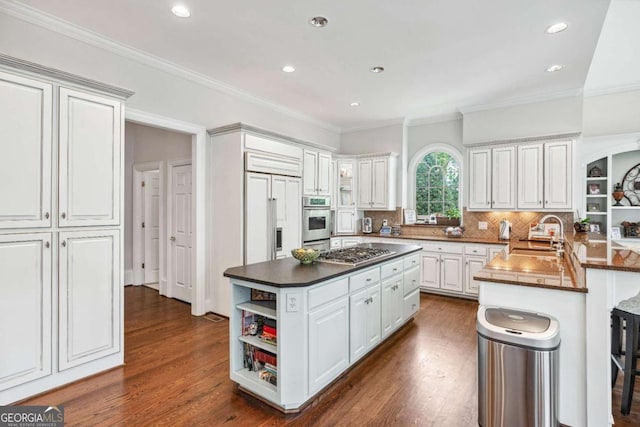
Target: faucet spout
x=557 y=218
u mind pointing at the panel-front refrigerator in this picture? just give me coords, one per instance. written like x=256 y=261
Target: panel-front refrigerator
x=273 y=209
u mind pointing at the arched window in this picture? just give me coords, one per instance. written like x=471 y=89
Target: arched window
x=437 y=184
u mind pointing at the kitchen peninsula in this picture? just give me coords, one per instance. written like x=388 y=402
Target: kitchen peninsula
x=320 y=318
x=580 y=291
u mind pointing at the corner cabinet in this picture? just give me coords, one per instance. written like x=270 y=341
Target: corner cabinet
x=377 y=182
x=62 y=285
x=317 y=332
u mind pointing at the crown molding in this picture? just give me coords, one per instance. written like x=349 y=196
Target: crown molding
x=449 y=117
x=506 y=103
x=610 y=90
x=53 y=23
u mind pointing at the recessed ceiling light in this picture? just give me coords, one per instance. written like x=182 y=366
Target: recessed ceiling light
x=319 y=21
x=556 y=28
x=554 y=68
x=354 y=104
x=377 y=69
x=181 y=11
x=288 y=69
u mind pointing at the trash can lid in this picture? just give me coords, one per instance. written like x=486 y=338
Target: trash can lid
x=527 y=329
x=517 y=320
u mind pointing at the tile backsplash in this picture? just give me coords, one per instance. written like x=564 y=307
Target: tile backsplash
x=519 y=222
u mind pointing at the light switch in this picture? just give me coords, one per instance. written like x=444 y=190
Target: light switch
x=482 y=225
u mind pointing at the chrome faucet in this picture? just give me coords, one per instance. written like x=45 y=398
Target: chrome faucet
x=559 y=245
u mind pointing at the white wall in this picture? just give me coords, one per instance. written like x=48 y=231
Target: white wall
x=616 y=113
x=156 y=91
x=447 y=132
x=554 y=117
x=147 y=144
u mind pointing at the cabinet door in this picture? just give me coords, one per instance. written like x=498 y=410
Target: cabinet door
x=346 y=221
x=379 y=183
x=346 y=183
x=558 y=169
x=430 y=270
x=288 y=194
x=503 y=183
x=309 y=173
x=328 y=343
x=358 y=324
x=365 y=177
x=373 y=319
x=451 y=272
x=25 y=152
x=530 y=176
x=89 y=275
x=480 y=179
x=471 y=266
x=90 y=159
x=25 y=308
x=324 y=174
x=391 y=305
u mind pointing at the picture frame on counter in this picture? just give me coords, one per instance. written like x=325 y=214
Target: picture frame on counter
x=409 y=216
x=615 y=233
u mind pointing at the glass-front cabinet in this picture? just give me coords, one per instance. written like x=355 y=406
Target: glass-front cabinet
x=346 y=183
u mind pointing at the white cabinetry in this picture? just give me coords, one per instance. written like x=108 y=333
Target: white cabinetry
x=472 y=265
x=364 y=306
x=492 y=178
x=89 y=147
x=25 y=152
x=545 y=175
x=345 y=221
x=377 y=183
x=25 y=308
x=442 y=267
x=392 y=296
x=89 y=296
x=316 y=173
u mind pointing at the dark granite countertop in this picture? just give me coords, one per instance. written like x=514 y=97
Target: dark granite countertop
x=443 y=238
x=289 y=272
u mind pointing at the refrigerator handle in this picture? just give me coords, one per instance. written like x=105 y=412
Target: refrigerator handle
x=274 y=228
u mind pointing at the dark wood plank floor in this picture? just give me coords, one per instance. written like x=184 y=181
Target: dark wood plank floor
x=177 y=373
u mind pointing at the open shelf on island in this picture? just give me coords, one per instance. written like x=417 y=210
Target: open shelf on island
x=255 y=341
x=263 y=308
x=270 y=390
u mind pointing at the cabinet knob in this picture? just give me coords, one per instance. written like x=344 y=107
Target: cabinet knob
x=487 y=203
x=546 y=201
x=63 y=215
x=172 y=238
x=46 y=215
x=64 y=243
x=395 y=269
x=46 y=245
x=539 y=202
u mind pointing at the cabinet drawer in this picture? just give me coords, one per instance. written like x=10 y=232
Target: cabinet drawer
x=411 y=280
x=328 y=292
x=366 y=278
x=391 y=268
x=336 y=243
x=411 y=304
x=475 y=250
x=442 y=247
x=412 y=261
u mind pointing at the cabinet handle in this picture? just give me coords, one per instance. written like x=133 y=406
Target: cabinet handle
x=546 y=201
x=466 y=263
x=64 y=243
x=172 y=238
x=539 y=202
x=46 y=215
x=46 y=245
x=368 y=279
x=487 y=203
x=63 y=215
x=395 y=269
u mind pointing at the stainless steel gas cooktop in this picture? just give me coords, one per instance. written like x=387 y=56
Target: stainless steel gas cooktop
x=354 y=255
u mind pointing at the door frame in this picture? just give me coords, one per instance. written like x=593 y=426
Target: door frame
x=170 y=165
x=137 y=254
x=198 y=196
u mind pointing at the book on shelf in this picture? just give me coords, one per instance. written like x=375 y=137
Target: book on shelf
x=265 y=357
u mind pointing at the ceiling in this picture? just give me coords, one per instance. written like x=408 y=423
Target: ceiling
x=440 y=56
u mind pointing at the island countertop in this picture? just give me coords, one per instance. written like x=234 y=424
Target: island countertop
x=288 y=272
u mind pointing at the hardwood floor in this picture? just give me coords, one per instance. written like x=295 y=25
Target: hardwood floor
x=177 y=373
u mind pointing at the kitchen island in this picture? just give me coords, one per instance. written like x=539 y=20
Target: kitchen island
x=294 y=329
x=579 y=290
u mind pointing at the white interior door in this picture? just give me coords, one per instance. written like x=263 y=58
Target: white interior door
x=151 y=192
x=180 y=280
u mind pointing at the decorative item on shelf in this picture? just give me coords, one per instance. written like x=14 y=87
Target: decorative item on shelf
x=595 y=172
x=305 y=256
x=452 y=217
x=454 y=231
x=618 y=194
x=631 y=185
x=631 y=229
x=593 y=207
x=594 y=188
x=582 y=225
x=615 y=233
x=594 y=228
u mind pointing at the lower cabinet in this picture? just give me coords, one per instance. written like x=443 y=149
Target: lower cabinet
x=25 y=308
x=392 y=300
x=472 y=265
x=328 y=343
x=89 y=296
x=364 y=313
x=442 y=271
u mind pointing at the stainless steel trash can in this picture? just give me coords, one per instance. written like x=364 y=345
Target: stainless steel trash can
x=517 y=368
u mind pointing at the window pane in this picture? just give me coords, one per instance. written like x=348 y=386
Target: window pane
x=437 y=184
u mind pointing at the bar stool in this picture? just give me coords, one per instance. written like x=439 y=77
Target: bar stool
x=627 y=311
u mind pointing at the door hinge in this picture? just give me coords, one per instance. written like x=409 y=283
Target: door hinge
x=143 y=224
x=143 y=265
x=143 y=183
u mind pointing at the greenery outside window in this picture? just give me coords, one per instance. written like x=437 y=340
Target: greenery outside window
x=437 y=183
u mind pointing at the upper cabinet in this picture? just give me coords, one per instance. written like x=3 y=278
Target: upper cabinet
x=90 y=159
x=25 y=152
x=492 y=178
x=543 y=171
x=377 y=183
x=316 y=173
